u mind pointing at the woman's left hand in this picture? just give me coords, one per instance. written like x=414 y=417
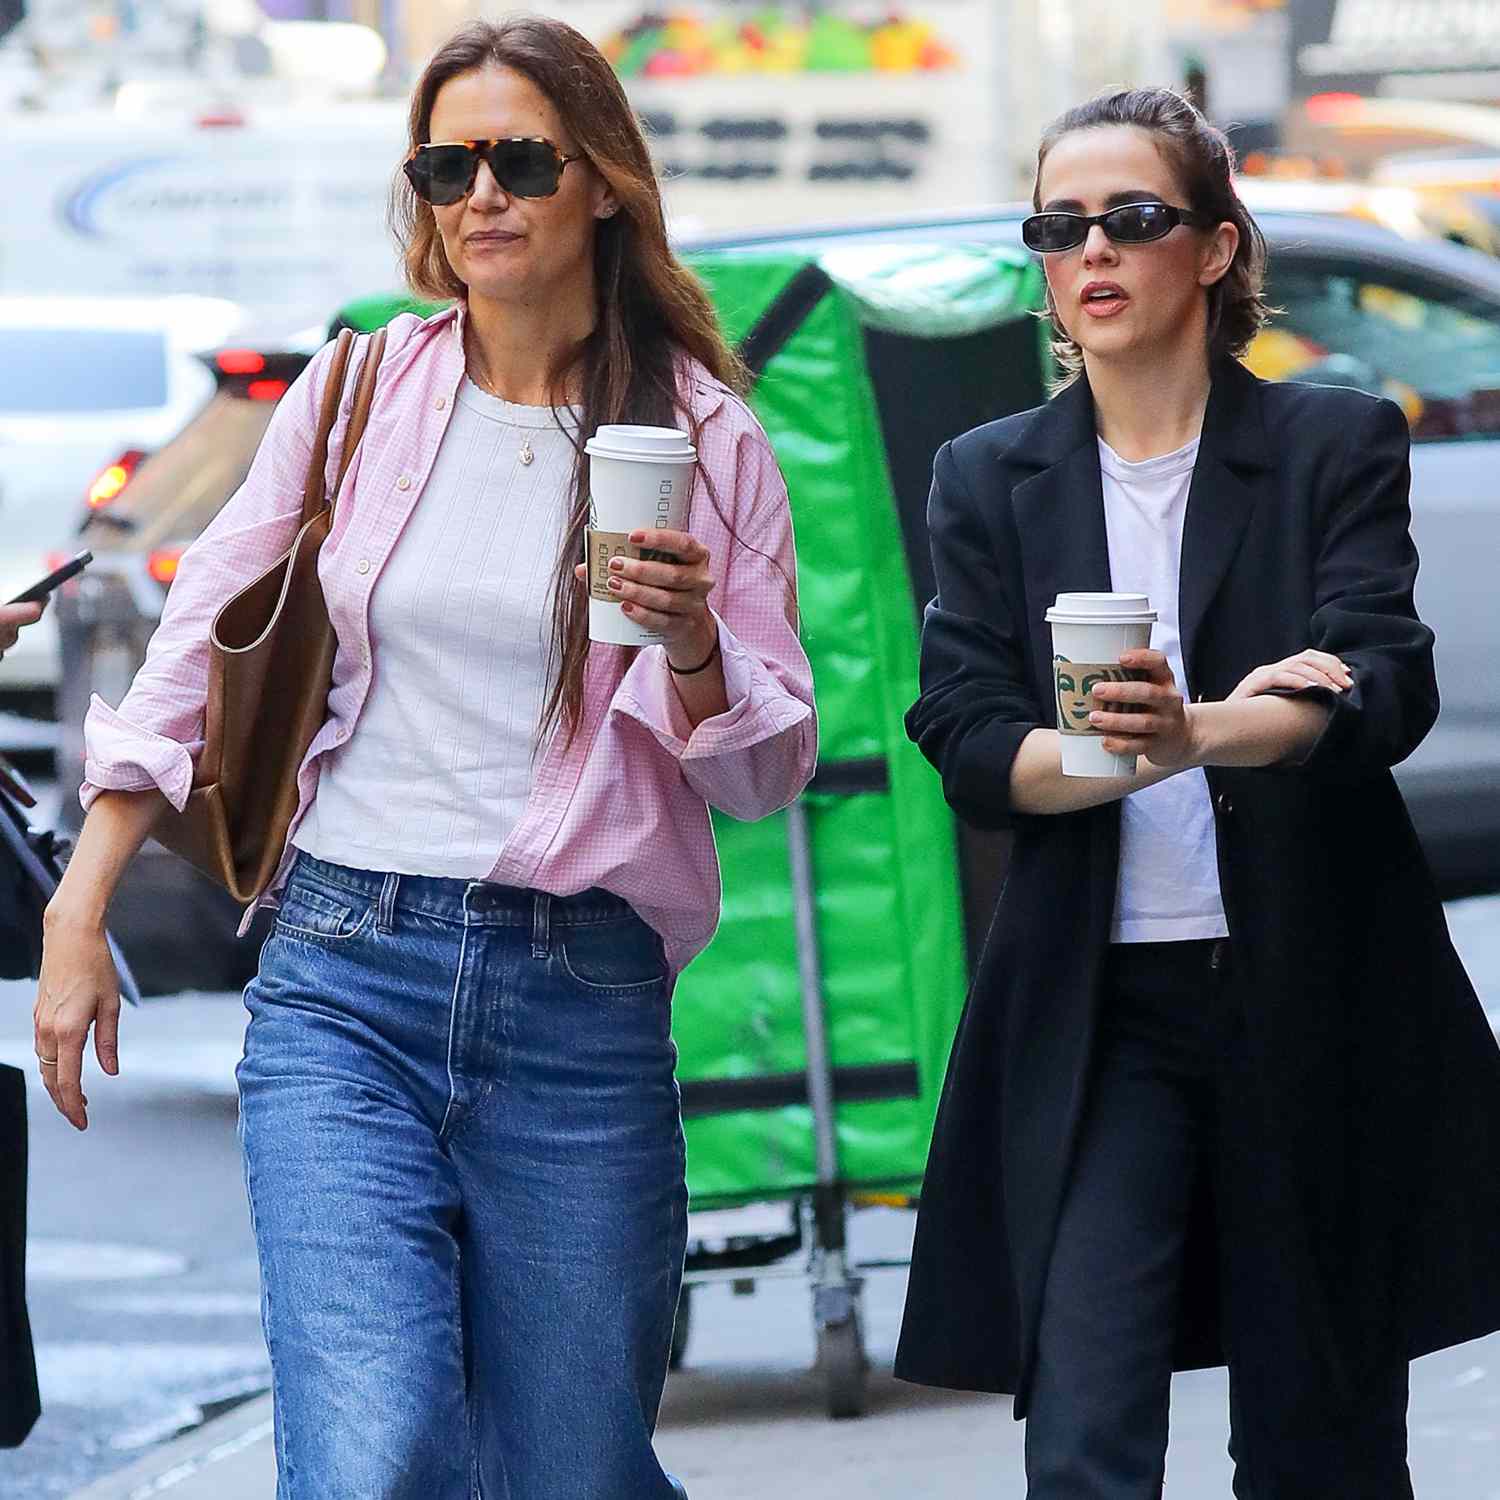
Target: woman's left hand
x=1156 y=722
x=1295 y=674
x=670 y=597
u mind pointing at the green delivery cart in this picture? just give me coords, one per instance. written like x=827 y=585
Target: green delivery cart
x=813 y=1033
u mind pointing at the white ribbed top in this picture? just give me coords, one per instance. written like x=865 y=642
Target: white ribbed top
x=440 y=764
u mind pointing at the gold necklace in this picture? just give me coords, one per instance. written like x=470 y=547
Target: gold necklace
x=482 y=381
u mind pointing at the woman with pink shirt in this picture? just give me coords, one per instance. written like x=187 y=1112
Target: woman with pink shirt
x=459 y=1115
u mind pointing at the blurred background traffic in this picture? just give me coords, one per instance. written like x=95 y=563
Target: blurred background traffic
x=197 y=193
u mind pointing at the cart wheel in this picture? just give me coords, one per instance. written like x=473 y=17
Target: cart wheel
x=681 y=1328
x=841 y=1358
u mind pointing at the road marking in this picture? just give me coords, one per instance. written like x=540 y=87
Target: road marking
x=176 y=1304
x=106 y=1377
x=84 y=1260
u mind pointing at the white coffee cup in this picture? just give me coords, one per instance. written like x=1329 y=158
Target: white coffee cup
x=638 y=477
x=1089 y=634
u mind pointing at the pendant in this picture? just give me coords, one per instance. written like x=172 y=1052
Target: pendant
x=526 y=454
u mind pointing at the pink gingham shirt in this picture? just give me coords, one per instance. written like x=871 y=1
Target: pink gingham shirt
x=626 y=805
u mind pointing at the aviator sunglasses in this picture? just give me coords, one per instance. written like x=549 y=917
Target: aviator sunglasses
x=524 y=166
x=1129 y=224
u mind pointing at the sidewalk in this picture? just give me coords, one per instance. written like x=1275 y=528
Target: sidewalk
x=746 y=1435
x=728 y=1437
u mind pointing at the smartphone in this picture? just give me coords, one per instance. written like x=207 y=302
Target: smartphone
x=44 y=586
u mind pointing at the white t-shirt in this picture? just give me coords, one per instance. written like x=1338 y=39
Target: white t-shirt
x=440 y=764
x=1168 y=886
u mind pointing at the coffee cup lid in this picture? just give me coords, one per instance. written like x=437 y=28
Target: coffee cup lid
x=659 y=445
x=1102 y=609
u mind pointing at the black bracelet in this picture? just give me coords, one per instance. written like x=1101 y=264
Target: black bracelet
x=702 y=666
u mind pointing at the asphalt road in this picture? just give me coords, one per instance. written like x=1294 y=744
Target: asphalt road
x=143 y=1297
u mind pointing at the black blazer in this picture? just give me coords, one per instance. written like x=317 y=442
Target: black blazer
x=1379 y=1068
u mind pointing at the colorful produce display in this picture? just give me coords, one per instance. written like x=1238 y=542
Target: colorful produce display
x=776 y=39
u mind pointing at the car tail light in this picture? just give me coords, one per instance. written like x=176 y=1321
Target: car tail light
x=113 y=478
x=254 y=374
x=162 y=564
x=240 y=361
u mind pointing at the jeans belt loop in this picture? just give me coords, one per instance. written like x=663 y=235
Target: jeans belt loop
x=385 y=916
x=541 y=924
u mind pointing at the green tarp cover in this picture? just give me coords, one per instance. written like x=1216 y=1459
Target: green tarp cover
x=888 y=911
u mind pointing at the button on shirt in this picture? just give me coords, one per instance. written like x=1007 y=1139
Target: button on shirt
x=1167 y=889
x=624 y=803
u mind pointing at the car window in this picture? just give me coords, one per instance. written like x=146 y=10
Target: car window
x=1433 y=349
x=70 y=371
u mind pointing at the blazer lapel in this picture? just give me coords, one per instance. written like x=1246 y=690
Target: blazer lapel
x=1059 y=515
x=1221 y=498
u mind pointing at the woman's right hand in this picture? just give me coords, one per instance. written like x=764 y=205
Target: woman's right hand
x=78 y=989
x=12 y=618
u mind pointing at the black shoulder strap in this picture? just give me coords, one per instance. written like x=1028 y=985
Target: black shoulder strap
x=789 y=310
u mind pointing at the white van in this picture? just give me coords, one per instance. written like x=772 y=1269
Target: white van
x=282 y=210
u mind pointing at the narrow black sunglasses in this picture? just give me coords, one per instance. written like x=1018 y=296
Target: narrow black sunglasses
x=1129 y=224
x=524 y=166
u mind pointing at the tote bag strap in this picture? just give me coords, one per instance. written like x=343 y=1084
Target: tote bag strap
x=314 y=488
x=359 y=414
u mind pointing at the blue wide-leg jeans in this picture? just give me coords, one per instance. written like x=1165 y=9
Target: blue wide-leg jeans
x=464 y=1155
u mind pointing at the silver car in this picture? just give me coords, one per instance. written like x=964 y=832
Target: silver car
x=88 y=387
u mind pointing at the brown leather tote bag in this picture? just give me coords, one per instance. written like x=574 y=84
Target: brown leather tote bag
x=270 y=668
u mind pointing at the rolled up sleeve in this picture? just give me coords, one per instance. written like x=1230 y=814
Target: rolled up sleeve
x=121 y=756
x=759 y=754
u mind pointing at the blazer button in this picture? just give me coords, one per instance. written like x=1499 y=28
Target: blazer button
x=1225 y=803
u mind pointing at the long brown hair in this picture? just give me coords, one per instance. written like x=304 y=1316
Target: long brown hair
x=1200 y=154
x=652 y=310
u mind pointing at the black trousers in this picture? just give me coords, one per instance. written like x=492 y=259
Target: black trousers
x=1171 y=1077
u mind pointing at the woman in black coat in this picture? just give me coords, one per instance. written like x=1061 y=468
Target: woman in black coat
x=1222 y=1091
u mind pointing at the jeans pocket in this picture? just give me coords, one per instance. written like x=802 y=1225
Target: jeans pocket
x=312 y=915
x=620 y=956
